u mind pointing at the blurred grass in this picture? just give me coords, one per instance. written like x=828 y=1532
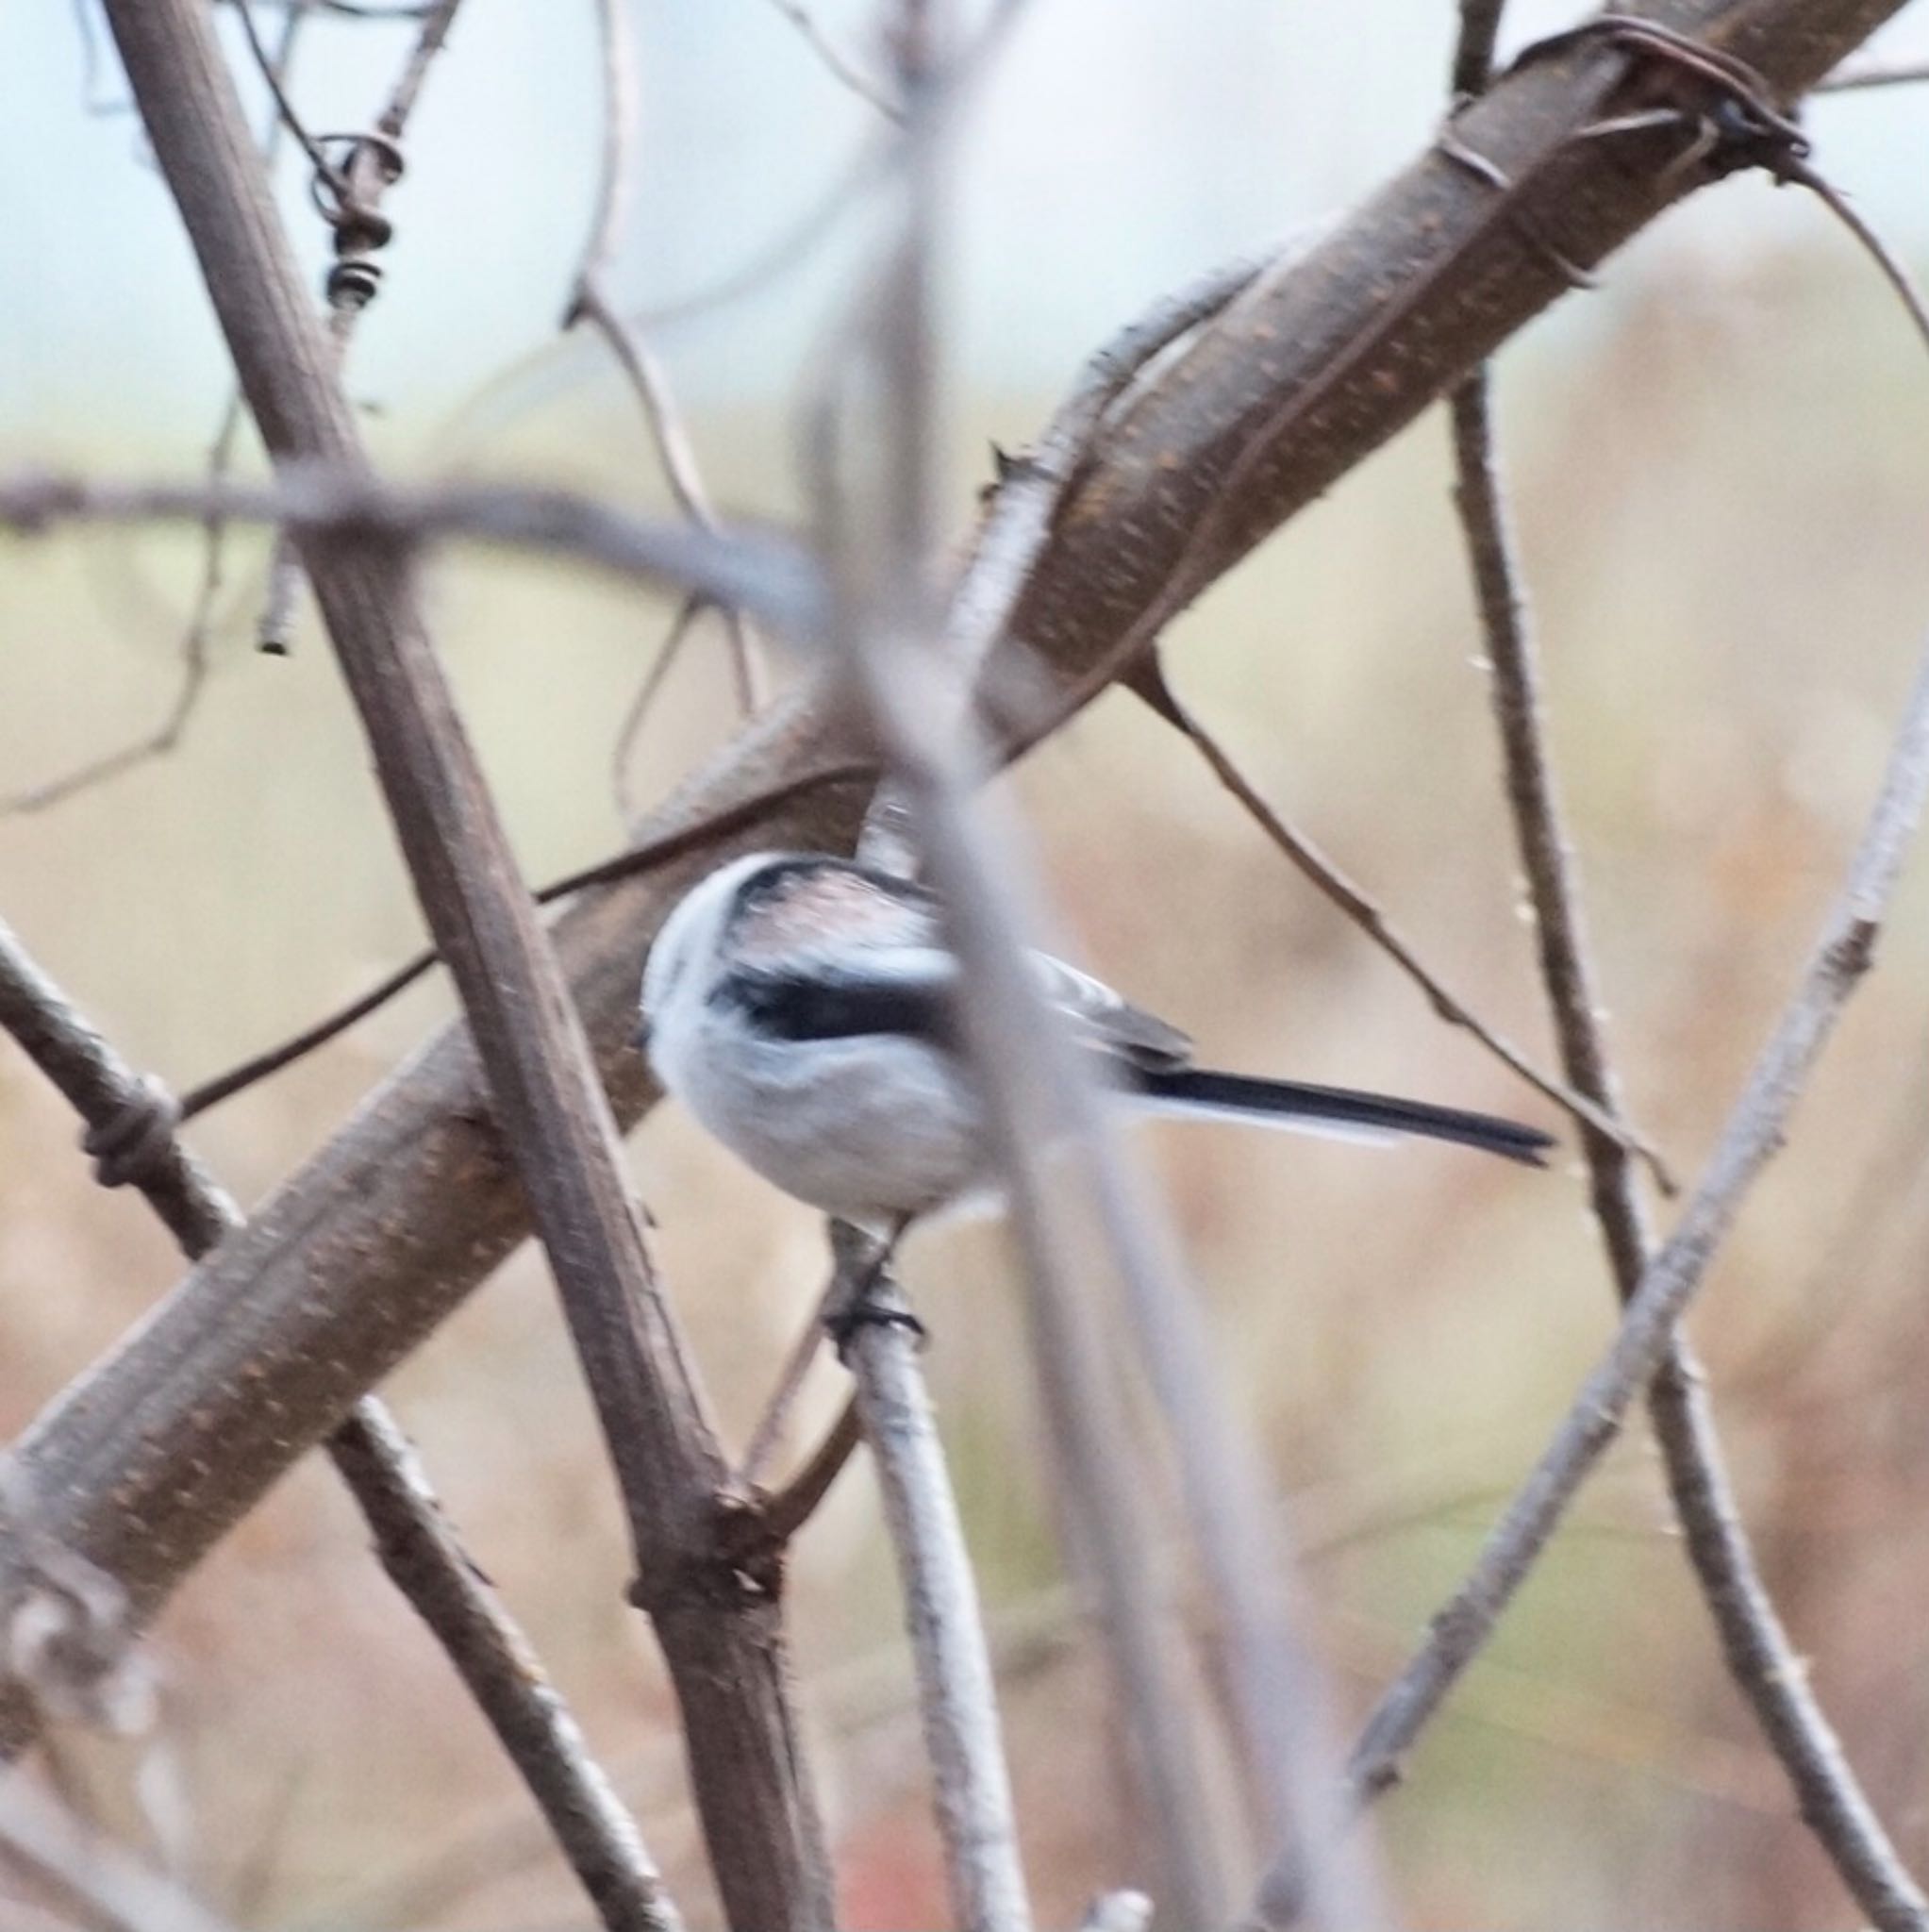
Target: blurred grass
x=1720 y=492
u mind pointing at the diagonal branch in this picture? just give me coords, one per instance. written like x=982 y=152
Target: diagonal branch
x=129 y=1122
x=1764 y=1664
x=878 y=538
x=120 y=1890
x=1372 y=919
x=720 y=1628
x=1760 y=1659
x=1755 y=1129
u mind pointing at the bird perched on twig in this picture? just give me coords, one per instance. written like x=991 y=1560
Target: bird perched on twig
x=805 y=1008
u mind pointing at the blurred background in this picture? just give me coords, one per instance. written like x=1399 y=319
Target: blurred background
x=1719 y=465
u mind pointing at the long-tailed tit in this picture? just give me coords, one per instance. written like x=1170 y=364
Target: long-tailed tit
x=804 y=1010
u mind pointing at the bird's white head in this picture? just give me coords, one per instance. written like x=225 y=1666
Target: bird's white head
x=688 y=944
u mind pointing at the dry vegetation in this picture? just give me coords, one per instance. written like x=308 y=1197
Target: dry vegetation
x=1728 y=597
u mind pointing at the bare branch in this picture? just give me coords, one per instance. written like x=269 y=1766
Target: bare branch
x=763 y=572
x=1755 y=1129
x=123 y=1889
x=436 y=20
x=878 y=545
x=1892 y=271
x=1849 y=79
x=632 y=863
x=130 y=1133
x=681 y=626
x=174 y=725
x=1368 y=915
x=352 y=208
x=419 y=1551
x=718 y=1627
x=794 y=1505
x=195 y=639
x=767 y=1435
x=272 y=68
x=956 y=1694
x=590 y=302
x=1480 y=25
x=1522 y=163
x=1030 y=492
x=1762 y=1661
x=844 y=71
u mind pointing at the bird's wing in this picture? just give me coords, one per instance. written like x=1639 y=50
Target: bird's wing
x=912 y=990
x=1109 y=1021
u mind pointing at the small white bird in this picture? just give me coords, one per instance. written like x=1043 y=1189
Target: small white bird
x=804 y=1010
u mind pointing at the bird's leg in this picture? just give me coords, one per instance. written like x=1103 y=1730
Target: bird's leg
x=865 y=1293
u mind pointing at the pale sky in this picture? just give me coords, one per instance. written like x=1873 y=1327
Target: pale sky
x=1123 y=146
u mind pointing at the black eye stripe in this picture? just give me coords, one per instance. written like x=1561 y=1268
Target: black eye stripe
x=799 y=1007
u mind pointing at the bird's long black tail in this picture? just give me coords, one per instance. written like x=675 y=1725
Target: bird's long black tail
x=1293 y=1102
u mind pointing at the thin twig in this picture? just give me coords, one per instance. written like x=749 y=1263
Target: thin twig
x=436 y=20
x=675 y=451
x=1839 y=205
x=764 y=573
x=124 y=1891
x=794 y=1505
x=1013 y=534
x=270 y=67
x=354 y=213
x=1368 y=915
x=639 y=858
x=1764 y=1664
x=1848 y=79
x=879 y=559
x=835 y=62
x=418 y=1549
x=681 y=626
x=784 y=253
x=195 y=639
x=128 y=1119
x=1756 y=1127
x=767 y=1436
x=590 y=302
